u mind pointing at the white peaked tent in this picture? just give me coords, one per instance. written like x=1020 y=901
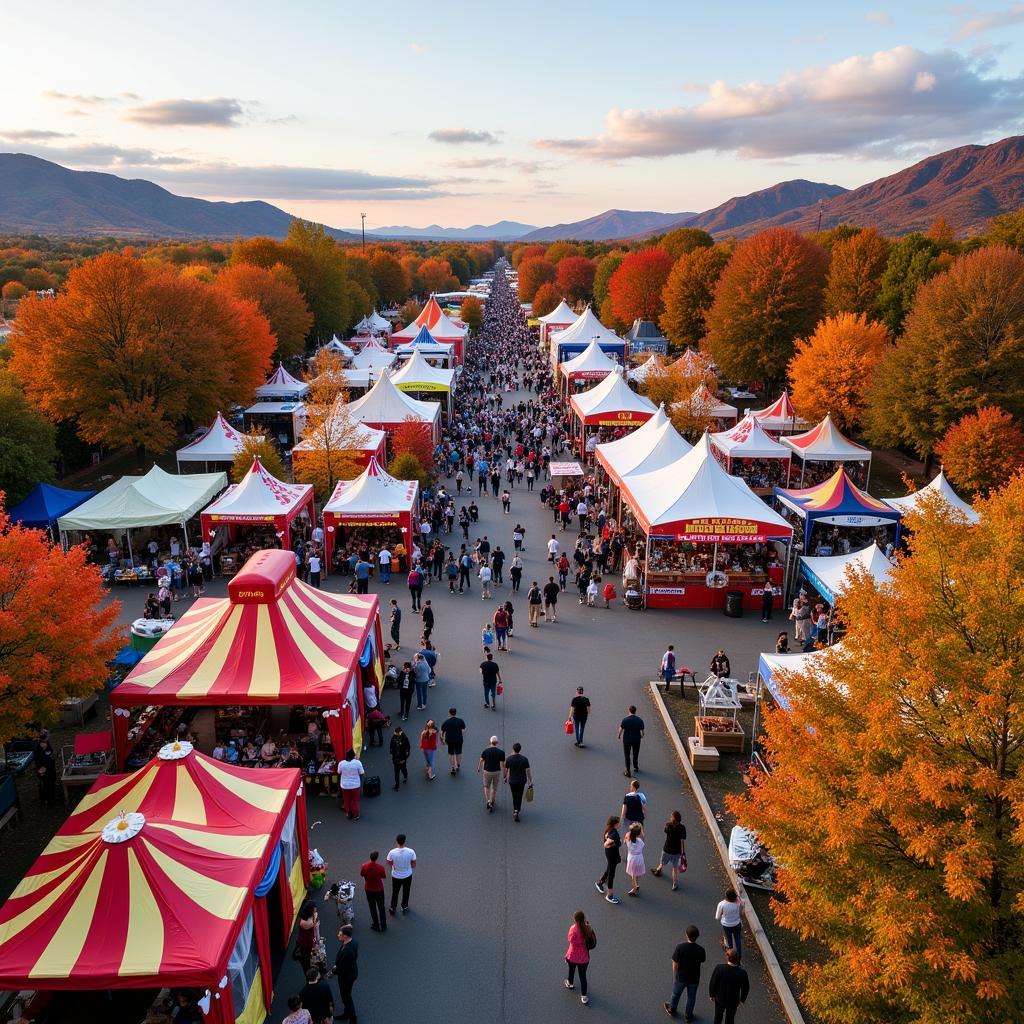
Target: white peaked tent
x=748 y=440
x=591 y=364
x=828 y=574
x=703 y=403
x=373 y=324
x=826 y=443
x=373 y=357
x=385 y=407
x=692 y=362
x=940 y=486
x=612 y=403
x=652 y=364
x=779 y=416
x=584 y=329
x=560 y=318
x=221 y=443
x=337 y=345
x=416 y=374
x=282 y=385
x=652 y=446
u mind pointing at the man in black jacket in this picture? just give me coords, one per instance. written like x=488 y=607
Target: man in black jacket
x=686 y=961
x=346 y=969
x=729 y=986
x=400 y=749
x=316 y=997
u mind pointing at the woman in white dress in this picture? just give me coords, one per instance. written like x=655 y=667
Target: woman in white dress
x=635 y=867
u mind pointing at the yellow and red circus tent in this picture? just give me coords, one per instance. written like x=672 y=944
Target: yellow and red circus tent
x=162 y=878
x=272 y=641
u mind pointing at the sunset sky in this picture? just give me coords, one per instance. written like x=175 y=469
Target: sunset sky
x=536 y=112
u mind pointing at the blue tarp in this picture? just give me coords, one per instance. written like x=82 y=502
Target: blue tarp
x=267 y=882
x=45 y=504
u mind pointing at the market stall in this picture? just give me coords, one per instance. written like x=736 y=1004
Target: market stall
x=692 y=363
x=559 y=319
x=651 y=446
x=939 y=486
x=253 y=512
x=577 y=337
x=45 y=504
x=441 y=327
x=373 y=323
x=592 y=364
x=644 y=336
x=218 y=447
x=185 y=874
x=780 y=417
x=418 y=378
x=609 y=406
x=282 y=386
x=427 y=347
x=374 y=502
x=283 y=422
x=270 y=654
x=706 y=535
x=823 y=450
x=374 y=357
x=387 y=408
x=748 y=452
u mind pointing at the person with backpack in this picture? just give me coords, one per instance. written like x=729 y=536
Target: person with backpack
x=415 y=582
x=465 y=564
x=535 y=599
x=451 y=569
x=400 y=748
x=582 y=939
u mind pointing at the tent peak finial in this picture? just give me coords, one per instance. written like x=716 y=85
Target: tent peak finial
x=127 y=825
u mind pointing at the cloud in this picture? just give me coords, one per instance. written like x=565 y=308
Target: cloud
x=419 y=47
x=974 y=22
x=100 y=156
x=887 y=104
x=483 y=162
x=458 y=136
x=882 y=18
x=30 y=135
x=220 y=112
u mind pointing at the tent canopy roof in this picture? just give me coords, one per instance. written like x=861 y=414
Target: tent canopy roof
x=373 y=491
x=825 y=443
x=424 y=342
x=371 y=438
x=691 y=363
x=372 y=357
x=260 y=494
x=940 y=486
x=156 y=499
x=417 y=370
x=652 y=364
x=696 y=491
x=836 y=498
x=161 y=907
x=585 y=328
x=45 y=504
x=372 y=323
x=771 y=665
x=337 y=345
x=273 y=640
x=611 y=396
x=281 y=384
x=828 y=574
x=561 y=314
x=384 y=403
x=747 y=440
x=220 y=443
x=703 y=403
x=434 y=318
x=593 y=361
x=651 y=446
x=780 y=415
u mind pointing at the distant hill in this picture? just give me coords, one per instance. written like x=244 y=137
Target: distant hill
x=41 y=197
x=606 y=226
x=733 y=214
x=966 y=186
x=503 y=231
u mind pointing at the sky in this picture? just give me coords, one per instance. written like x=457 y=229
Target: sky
x=537 y=112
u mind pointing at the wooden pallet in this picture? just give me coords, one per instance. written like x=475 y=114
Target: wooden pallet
x=703 y=759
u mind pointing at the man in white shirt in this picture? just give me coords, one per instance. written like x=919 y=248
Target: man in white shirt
x=581 y=511
x=384 y=561
x=553 y=549
x=350 y=773
x=485 y=582
x=314 y=569
x=175 y=548
x=403 y=861
x=318 y=535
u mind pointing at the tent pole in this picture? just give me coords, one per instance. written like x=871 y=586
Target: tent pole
x=131 y=557
x=647 y=566
x=184 y=529
x=757 y=715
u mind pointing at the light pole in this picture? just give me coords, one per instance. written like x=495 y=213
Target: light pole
x=363 y=215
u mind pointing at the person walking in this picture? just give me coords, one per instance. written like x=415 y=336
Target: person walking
x=396 y=624
x=485 y=581
x=406 y=688
x=373 y=875
x=465 y=564
x=452 y=731
x=497 y=566
x=486 y=637
x=403 y=862
x=767 y=601
x=350 y=773
x=451 y=570
x=314 y=569
x=384 y=563
x=491 y=676
x=612 y=859
x=492 y=759
x=421 y=680
x=400 y=748
x=346 y=970
x=728 y=988
x=634 y=806
x=515 y=572
x=686 y=960
x=316 y=997
x=308 y=934
x=362 y=575
x=730 y=913
x=673 y=852
x=428 y=744
x=668 y=667
x=427 y=614
x=631 y=732
x=518 y=775
x=534 y=600
x=415 y=584
x=582 y=939
x=297 y=1014
x=551 y=600
x=553 y=549
x=45 y=762
x=635 y=866
x=579 y=712
x=518 y=535
x=500 y=620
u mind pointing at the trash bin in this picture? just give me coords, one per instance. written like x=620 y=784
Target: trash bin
x=734 y=604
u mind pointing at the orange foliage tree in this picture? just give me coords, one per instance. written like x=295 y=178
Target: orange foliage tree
x=983 y=450
x=769 y=295
x=673 y=386
x=636 y=286
x=576 y=278
x=471 y=313
x=130 y=349
x=895 y=801
x=855 y=273
x=533 y=272
x=56 y=631
x=832 y=369
x=546 y=299
x=689 y=292
x=276 y=292
x=436 y=276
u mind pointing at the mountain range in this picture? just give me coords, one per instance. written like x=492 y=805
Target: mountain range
x=607 y=225
x=502 y=231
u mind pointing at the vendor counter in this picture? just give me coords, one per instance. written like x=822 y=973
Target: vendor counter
x=691 y=590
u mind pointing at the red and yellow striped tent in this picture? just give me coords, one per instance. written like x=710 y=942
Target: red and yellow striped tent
x=157 y=878
x=273 y=640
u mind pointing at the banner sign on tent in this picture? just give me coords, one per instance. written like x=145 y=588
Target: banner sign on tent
x=421 y=386
x=261 y=580
x=214 y=517
x=618 y=419
x=724 y=531
x=566 y=469
x=378 y=521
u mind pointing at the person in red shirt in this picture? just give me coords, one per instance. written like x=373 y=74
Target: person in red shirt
x=373 y=875
x=609 y=594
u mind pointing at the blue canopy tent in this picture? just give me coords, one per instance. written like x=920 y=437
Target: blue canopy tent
x=45 y=504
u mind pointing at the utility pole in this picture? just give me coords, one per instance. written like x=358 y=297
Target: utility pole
x=363 y=215
x=821 y=204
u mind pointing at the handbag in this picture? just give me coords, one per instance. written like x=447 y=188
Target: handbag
x=590 y=938
x=501 y=689
x=682 y=864
x=529 y=794
x=568 y=727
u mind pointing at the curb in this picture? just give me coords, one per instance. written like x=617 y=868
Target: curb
x=789 y=1004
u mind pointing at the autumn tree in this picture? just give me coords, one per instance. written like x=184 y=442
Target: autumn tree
x=831 y=370
x=855 y=273
x=411 y=442
x=769 y=294
x=603 y=270
x=257 y=446
x=57 y=632
x=895 y=801
x=526 y=252
x=912 y=261
x=276 y=292
x=962 y=349
x=392 y=281
x=576 y=278
x=409 y=311
x=319 y=265
x=534 y=272
x=636 y=287
x=685 y=240
x=471 y=313
x=689 y=293
x=558 y=251
x=27 y=448
x=546 y=299
x=12 y=293
x=1007 y=229
x=130 y=349
x=982 y=451
x=673 y=386
x=436 y=276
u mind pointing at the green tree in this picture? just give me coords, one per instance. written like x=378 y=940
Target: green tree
x=320 y=267
x=27 y=442
x=689 y=293
x=1007 y=229
x=912 y=261
x=685 y=240
x=257 y=446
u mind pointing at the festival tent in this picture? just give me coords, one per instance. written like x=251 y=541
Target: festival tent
x=612 y=403
x=161 y=878
x=156 y=499
x=440 y=326
x=747 y=441
x=940 y=486
x=373 y=324
x=419 y=376
x=825 y=443
x=260 y=498
x=652 y=364
x=372 y=499
x=838 y=502
x=770 y=666
x=704 y=403
x=372 y=443
x=827 y=574
x=586 y=329
x=373 y=356
x=652 y=446
x=282 y=385
x=386 y=408
x=45 y=504
x=780 y=416
x=692 y=363
x=337 y=345
x=425 y=344
x=272 y=641
x=558 y=319
x=220 y=443
x=593 y=363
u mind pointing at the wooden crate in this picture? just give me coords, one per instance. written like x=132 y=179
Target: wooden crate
x=703 y=759
x=729 y=742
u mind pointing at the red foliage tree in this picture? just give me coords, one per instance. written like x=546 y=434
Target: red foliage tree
x=636 y=287
x=412 y=437
x=534 y=272
x=576 y=278
x=983 y=450
x=546 y=299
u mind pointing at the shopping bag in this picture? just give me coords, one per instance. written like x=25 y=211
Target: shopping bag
x=529 y=794
x=682 y=864
x=500 y=689
x=568 y=727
